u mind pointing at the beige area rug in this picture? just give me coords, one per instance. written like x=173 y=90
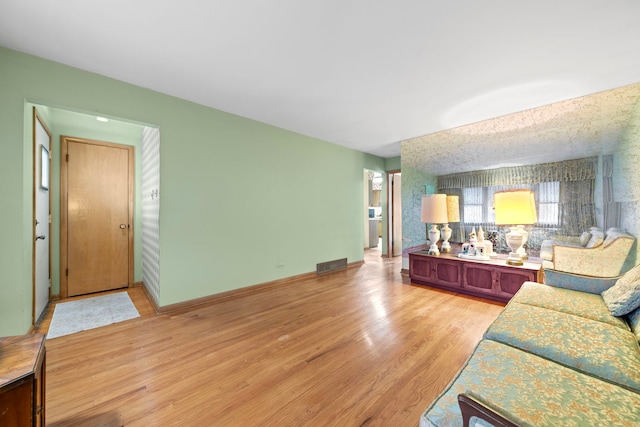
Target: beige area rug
x=81 y=315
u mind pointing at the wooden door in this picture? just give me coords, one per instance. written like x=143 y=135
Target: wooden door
x=97 y=216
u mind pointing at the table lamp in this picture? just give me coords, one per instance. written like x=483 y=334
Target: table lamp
x=453 y=215
x=515 y=208
x=434 y=211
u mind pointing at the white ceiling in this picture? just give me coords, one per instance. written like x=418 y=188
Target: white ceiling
x=365 y=74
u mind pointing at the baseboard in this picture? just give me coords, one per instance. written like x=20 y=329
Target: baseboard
x=189 y=305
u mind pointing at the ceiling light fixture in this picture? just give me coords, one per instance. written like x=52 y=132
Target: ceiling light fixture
x=102 y=119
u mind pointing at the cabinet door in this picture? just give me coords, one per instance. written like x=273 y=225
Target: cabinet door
x=40 y=392
x=15 y=403
x=420 y=267
x=479 y=278
x=511 y=279
x=448 y=273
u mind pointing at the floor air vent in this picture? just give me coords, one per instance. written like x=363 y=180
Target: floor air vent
x=329 y=266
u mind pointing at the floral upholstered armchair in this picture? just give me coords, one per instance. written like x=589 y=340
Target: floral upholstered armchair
x=594 y=253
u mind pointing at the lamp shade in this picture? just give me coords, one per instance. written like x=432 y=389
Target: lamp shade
x=515 y=207
x=453 y=209
x=434 y=209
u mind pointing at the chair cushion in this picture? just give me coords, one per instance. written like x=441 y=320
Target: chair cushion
x=624 y=296
x=634 y=322
x=608 y=352
x=533 y=391
x=590 y=306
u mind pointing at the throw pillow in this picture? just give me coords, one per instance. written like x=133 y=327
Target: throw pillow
x=584 y=238
x=624 y=296
x=597 y=237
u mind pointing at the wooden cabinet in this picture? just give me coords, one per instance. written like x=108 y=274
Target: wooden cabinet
x=22 y=380
x=436 y=270
x=493 y=279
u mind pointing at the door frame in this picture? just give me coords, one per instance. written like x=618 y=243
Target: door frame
x=392 y=204
x=64 y=153
x=37 y=118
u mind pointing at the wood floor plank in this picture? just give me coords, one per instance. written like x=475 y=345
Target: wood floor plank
x=357 y=347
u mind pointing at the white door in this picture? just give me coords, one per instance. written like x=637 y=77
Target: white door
x=42 y=224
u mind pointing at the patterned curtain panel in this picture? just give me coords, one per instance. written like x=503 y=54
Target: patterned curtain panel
x=563 y=191
x=577 y=210
x=612 y=210
x=569 y=170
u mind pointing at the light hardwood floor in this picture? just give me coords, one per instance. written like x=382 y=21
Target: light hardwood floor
x=352 y=348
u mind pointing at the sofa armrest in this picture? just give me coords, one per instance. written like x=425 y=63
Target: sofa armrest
x=471 y=406
x=578 y=282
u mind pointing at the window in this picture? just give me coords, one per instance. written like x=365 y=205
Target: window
x=564 y=193
x=473 y=204
x=548 y=194
x=478 y=202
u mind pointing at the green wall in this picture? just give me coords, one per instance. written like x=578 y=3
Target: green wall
x=392 y=164
x=241 y=202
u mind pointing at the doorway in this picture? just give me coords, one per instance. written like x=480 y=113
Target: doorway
x=373 y=210
x=96 y=214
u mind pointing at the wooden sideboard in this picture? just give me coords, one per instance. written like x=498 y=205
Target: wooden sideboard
x=493 y=279
x=22 y=380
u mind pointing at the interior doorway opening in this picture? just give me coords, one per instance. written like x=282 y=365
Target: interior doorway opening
x=90 y=125
x=373 y=210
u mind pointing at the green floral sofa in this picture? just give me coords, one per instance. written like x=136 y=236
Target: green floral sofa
x=595 y=253
x=556 y=356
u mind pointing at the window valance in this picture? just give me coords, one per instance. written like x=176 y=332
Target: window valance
x=568 y=170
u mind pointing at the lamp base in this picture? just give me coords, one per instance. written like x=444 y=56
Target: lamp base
x=514 y=259
x=433 y=250
x=445 y=231
x=434 y=236
x=514 y=241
